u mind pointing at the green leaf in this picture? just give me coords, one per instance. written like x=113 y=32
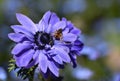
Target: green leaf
x=26 y=73
x=22 y=72
x=12 y=65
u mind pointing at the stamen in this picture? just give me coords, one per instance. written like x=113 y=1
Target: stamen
x=42 y=38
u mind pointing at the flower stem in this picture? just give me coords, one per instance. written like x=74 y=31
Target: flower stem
x=31 y=79
x=31 y=76
x=41 y=77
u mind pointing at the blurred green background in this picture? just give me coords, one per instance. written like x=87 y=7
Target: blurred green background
x=99 y=21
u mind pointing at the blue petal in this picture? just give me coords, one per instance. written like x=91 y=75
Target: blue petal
x=58 y=59
x=73 y=60
x=54 y=19
x=24 y=59
x=21 y=47
x=21 y=29
x=77 y=46
x=69 y=37
x=68 y=23
x=64 y=19
x=75 y=31
x=59 y=25
x=43 y=62
x=27 y=22
x=53 y=68
x=63 y=53
x=46 y=17
x=66 y=31
x=48 y=20
x=16 y=37
x=31 y=63
x=48 y=28
x=42 y=25
x=36 y=56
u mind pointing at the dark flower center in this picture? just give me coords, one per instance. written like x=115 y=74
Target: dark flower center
x=42 y=38
x=45 y=38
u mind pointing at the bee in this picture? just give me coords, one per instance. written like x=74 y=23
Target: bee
x=58 y=34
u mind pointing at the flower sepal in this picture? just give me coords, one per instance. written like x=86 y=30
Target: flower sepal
x=24 y=73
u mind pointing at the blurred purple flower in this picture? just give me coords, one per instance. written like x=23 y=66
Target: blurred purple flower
x=3 y=75
x=82 y=73
x=13 y=75
x=90 y=52
x=95 y=48
x=49 y=44
x=116 y=77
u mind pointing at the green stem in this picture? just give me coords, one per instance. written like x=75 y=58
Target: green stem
x=31 y=76
x=41 y=77
x=31 y=79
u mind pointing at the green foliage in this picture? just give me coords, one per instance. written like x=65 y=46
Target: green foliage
x=22 y=72
x=12 y=65
x=101 y=72
x=26 y=73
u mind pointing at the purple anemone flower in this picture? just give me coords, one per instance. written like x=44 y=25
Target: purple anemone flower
x=49 y=44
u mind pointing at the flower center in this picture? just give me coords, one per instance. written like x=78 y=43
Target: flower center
x=42 y=38
x=45 y=38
